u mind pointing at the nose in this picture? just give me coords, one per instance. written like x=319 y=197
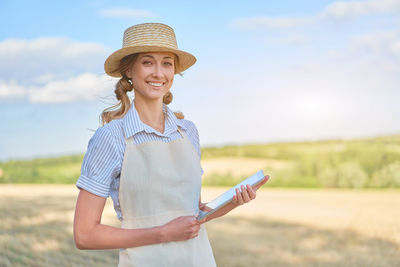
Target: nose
x=157 y=73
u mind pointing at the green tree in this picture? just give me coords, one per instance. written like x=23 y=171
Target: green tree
x=347 y=175
x=388 y=176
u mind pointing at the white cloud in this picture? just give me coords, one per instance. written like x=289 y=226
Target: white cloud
x=52 y=70
x=254 y=23
x=287 y=40
x=47 y=77
x=336 y=10
x=360 y=8
x=83 y=87
x=10 y=90
x=46 y=46
x=25 y=60
x=384 y=44
x=126 y=13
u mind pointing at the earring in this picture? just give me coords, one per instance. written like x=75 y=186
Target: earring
x=129 y=81
x=167 y=98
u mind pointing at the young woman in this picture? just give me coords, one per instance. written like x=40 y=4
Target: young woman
x=147 y=158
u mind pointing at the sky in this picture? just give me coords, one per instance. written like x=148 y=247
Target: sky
x=266 y=71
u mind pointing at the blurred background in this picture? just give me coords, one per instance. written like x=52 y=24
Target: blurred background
x=308 y=91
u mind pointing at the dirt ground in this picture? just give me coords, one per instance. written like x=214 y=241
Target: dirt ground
x=282 y=227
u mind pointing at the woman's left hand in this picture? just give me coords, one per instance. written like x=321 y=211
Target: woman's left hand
x=247 y=193
x=203 y=207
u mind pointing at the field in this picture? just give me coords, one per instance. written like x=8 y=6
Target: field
x=339 y=206
x=282 y=227
x=360 y=163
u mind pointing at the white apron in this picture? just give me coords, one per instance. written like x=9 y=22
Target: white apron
x=161 y=181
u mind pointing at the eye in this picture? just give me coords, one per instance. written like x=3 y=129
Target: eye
x=146 y=62
x=168 y=63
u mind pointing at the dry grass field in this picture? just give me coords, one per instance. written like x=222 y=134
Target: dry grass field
x=283 y=227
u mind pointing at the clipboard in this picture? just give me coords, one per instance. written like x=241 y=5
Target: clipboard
x=226 y=197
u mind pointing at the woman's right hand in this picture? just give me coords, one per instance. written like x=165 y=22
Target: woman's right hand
x=181 y=228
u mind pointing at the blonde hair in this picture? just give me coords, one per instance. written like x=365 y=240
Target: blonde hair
x=123 y=86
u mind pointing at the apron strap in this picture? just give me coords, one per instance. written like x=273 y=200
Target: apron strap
x=183 y=134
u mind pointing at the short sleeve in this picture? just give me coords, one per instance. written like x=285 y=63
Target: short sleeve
x=194 y=138
x=101 y=163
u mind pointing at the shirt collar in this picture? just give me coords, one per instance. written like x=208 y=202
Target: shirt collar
x=132 y=124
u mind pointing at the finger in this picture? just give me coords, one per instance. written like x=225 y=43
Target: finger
x=251 y=192
x=234 y=199
x=245 y=195
x=194 y=235
x=191 y=232
x=202 y=221
x=196 y=229
x=239 y=197
x=204 y=207
x=196 y=222
x=266 y=178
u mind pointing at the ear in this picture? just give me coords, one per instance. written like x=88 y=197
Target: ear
x=128 y=74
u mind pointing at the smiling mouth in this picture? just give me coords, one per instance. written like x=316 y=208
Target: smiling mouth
x=155 y=84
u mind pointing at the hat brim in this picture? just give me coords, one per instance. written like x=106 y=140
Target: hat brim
x=111 y=65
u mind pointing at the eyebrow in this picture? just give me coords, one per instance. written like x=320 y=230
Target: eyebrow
x=150 y=56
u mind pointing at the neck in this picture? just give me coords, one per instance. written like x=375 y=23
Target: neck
x=150 y=113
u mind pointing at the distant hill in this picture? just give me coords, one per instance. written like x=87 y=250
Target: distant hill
x=358 y=163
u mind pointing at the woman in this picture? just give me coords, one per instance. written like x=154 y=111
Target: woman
x=148 y=160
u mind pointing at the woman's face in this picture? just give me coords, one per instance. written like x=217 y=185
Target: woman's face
x=152 y=74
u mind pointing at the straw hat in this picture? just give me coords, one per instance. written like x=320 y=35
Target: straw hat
x=148 y=37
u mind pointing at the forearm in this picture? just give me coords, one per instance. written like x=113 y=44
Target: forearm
x=103 y=236
x=246 y=194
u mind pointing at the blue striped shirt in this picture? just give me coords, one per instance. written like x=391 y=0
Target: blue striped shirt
x=101 y=166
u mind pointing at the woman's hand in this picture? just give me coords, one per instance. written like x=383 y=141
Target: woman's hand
x=204 y=207
x=247 y=193
x=181 y=228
